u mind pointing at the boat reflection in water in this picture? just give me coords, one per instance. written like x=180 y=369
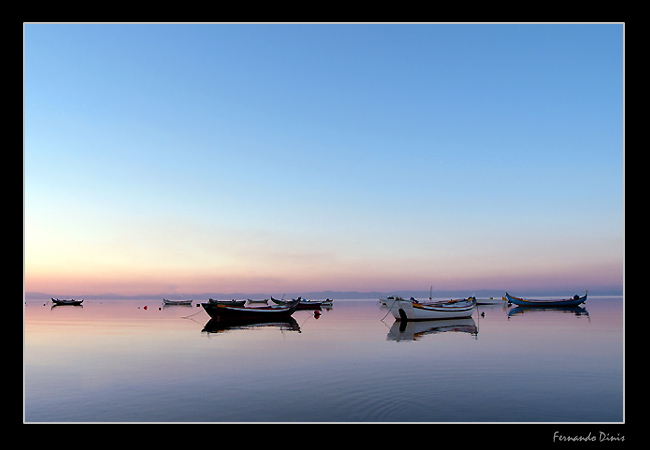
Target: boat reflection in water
x=414 y=330
x=223 y=326
x=73 y=306
x=521 y=310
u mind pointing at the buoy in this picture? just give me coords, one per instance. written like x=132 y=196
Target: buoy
x=145 y=308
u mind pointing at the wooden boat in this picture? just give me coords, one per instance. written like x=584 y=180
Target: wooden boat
x=309 y=304
x=64 y=301
x=232 y=302
x=451 y=309
x=575 y=301
x=491 y=301
x=177 y=302
x=228 y=312
x=283 y=302
x=304 y=304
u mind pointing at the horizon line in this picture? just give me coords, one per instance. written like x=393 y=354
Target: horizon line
x=603 y=290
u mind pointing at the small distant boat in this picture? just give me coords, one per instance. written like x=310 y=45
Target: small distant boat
x=177 y=302
x=412 y=310
x=309 y=304
x=284 y=302
x=575 y=301
x=327 y=302
x=279 y=302
x=64 y=301
x=304 y=304
x=232 y=302
x=265 y=301
x=228 y=312
x=491 y=301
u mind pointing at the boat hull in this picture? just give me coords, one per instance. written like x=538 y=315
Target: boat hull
x=73 y=302
x=310 y=305
x=408 y=310
x=546 y=303
x=226 y=312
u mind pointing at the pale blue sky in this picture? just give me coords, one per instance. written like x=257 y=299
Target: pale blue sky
x=209 y=157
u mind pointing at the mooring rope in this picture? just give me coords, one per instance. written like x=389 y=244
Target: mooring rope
x=187 y=317
x=389 y=310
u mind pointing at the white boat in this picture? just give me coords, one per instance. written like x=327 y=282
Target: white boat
x=451 y=309
x=177 y=302
x=491 y=301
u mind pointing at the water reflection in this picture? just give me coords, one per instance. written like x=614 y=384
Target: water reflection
x=221 y=326
x=124 y=360
x=414 y=330
x=57 y=305
x=521 y=310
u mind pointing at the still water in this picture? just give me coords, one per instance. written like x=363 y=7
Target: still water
x=114 y=361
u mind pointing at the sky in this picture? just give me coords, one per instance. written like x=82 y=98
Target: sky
x=172 y=158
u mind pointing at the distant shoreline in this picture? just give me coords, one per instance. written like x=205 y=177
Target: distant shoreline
x=484 y=293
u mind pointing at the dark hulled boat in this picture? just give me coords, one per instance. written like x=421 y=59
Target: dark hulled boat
x=63 y=301
x=304 y=304
x=220 y=311
x=575 y=301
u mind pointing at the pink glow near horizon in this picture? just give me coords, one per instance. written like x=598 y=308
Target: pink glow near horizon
x=593 y=277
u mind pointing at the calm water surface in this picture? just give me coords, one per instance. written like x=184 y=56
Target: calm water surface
x=114 y=361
